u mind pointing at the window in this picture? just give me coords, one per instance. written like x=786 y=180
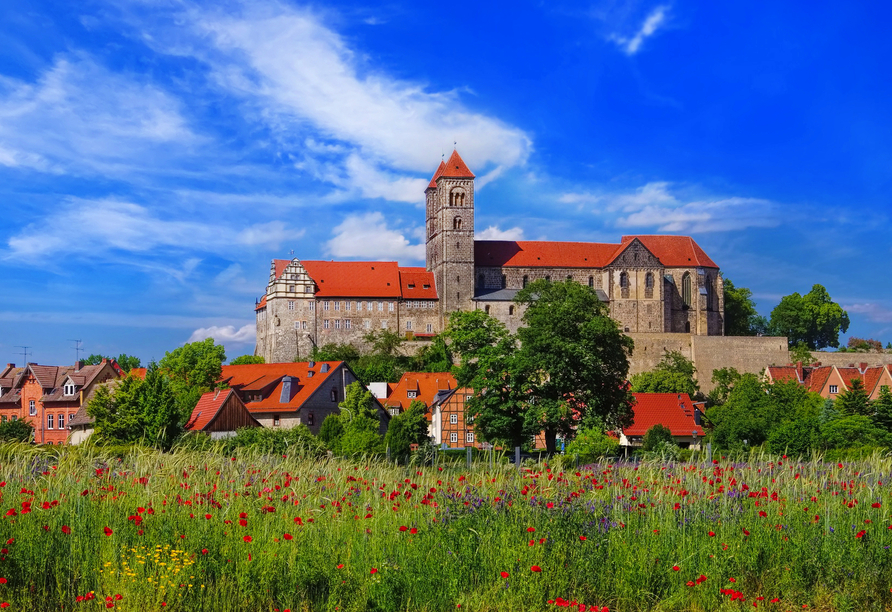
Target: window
x=290 y=304
x=456 y=223
x=325 y=324
x=49 y=421
x=412 y=394
x=311 y=419
x=13 y=418
x=453 y=418
x=380 y=306
x=325 y=305
x=334 y=394
x=308 y=289
x=486 y=309
x=430 y=328
x=297 y=325
x=548 y=279
x=408 y=325
x=834 y=389
x=367 y=324
x=276 y=421
x=526 y=279
x=337 y=305
x=347 y=324
x=69 y=388
x=468 y=398
x=61 y=421
x=303 y=324
x=383 y=324
x=346 y=305
x=337 y=324
x=624 y=284
x=511 y=310
x=312 y=306
x=469 y=437
x=390 y=306
x=686 y=290
x=649 y=285
x=368 y=306
x=32 y=408
x=453 y=437
x=504 y=281
x=591 y=282
x=290 y=288
x=394 y=411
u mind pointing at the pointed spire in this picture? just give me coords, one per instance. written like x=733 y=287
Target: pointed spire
x=437 y=174
x=456 y=167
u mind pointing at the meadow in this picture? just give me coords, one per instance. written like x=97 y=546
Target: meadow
x=84 y=530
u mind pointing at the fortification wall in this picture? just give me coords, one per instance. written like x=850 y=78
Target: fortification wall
x=846 y=359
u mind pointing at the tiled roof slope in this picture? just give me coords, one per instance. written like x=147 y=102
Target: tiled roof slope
x=425 y=384
x=270 y=378
x=456 y=168
x=783 y=373
x=675 y=411
x=437 y=174
x=675 y=251
x=355 y=278
x=417 y=284
x=209 y=406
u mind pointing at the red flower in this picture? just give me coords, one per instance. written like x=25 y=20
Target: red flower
x=4 y=605
x=675 y=568
x=876 y=505
x=711 y=534
x=504 y=574
x=531 y=529
x=66 y=529
x=413 y=531
x=207 y=516
x=2 y=580
x=860 y=534
x=732 y=579
x=247 y=538
x=204 y=551
x=108 y=531
x=374 y=570
x=288 y=536
x=340 y=566
x=403 y=528
x=536 y=569
x=582 y=538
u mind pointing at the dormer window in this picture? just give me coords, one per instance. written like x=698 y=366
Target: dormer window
x=68 y=389
x=412 y=394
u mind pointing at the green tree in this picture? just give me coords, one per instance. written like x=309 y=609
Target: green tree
x=673 y=374
x=812 y=319
x=406 y=429
x=802 y=353
x=336 y=352
x=741 y=318
x=723 y=380
x=854 y=400
x=361 y=430
x=436 y=357
x=18 y=430
x=864 y=345
x=592 y=444
x=127 y=362
x=795 y=438
x=331 y=432
x=882 y=407
x=193 y=369
x=162 y=418
x=656 y=436
x=247 y=360
x=848 y=432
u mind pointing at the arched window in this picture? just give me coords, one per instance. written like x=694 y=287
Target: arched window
x=591 y=282
x=686 y=291
x=526 y=279
x=486 y=309
x=511 y=310
x=649 y=285
x=456 y=223
x=687 y=327
x=624 y=284
x=504 y=281
x=547 y=279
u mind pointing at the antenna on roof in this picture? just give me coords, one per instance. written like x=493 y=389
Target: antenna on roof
x=77 y=350
x=292 y=252
x=25 y=352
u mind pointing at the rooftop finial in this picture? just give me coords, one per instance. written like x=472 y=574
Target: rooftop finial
x=454 y=144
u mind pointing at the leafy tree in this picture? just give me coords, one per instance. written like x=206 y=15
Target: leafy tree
x=812 y=319
x=864 y=345
x=795 y=438
x=247 y=360
x=848 y=432
x=384 y=341
x=436 y=357
x=655 y=436
x=127 y=362
x=361 y=429
x=331 y=432
x=592 y=444
x=408 y=428
x=882 y=407
x=802 y=353
x=674 y=374
x=335 y=352
x=193 y=369
x=741 y=318
x=162 y=418
x=18 y=430
x=854 y=400
x=724 y=380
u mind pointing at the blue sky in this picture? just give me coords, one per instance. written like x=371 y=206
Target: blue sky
x=155 y=156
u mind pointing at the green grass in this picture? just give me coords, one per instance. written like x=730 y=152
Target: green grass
x=606 y=536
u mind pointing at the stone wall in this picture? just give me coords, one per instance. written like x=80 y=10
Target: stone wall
x=847 y=359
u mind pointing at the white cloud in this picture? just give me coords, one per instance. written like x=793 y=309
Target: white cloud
x=324 y=100
x=655 y=206
x=493 y=232
x=79 y=117
x=226 y=334
x=93 y=227
x=654 y=20
x=367 y=236
x=873 y=311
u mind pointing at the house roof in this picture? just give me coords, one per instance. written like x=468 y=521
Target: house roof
x=817 y=378
x=782 y=373
x=541 y=254
x=417 y=284
x=675 y=411
x=456 y=167
x=261 y=304
x=376 y=279
x=209 y=406
x=281 y=264
x=674 y=251
x=437 y=174
x=273 y=377
x=848 y=375
x=872 y=377
x=425 y=384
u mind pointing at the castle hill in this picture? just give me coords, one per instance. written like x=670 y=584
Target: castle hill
x=353 y=307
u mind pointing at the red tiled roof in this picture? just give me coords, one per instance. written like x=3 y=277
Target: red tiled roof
x=139 y=372
x=355 y=278
x=674 y=251
x=530 y=254
x=261 y=304
x=817 y=378
x=281 y=264
x=417 y=284
x=437 y=174
x=456 y=167
x=426 y=384
x=872 y=377
x=206 y=409
x=247 y=376
x=668 y=409
x=848 y=375
x=782 y=373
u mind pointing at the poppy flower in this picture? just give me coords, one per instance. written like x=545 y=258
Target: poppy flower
x=2 y=580
x=204 y=551
x=207 y=516
x=108 y=531
x=675 y=568
x=536 y=569
x=340 y=566
x=403 y=528
x=860 y=534
x=582 y=538
x=504 y=574
x=374 y=570
x=247 y=538
x=288 y=536
x=711 y=534
x=531 y=529
x=413 y=531
x=66 y=529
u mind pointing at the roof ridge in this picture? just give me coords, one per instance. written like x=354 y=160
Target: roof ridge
x=456 y=167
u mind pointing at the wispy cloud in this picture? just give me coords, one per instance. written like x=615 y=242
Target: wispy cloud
x=873 y=311
x=93 y=228
x=226 y=334
x=494 y=232
x=368 y=236
x=654 y=205
x=653 y=21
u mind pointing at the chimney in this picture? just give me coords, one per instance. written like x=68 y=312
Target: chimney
x=816 y=364
x=862 y=367
x=216 y=393
x=799 y=373
x=286 y=390
x=697 y=417
x=79 y=365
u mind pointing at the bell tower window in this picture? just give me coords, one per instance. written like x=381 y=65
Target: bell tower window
x=456 y=223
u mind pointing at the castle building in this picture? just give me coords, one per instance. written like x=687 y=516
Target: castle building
x=651 y=284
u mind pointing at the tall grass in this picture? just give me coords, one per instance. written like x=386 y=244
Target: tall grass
x=163 y=532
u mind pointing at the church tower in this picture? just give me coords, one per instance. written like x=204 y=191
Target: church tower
x=450 y=233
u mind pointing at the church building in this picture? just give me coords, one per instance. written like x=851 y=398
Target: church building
x=651 y=284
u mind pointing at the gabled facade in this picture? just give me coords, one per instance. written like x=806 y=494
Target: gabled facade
x=49 y=397
x=220 y=413
x=831 y=381
x=652 y=284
